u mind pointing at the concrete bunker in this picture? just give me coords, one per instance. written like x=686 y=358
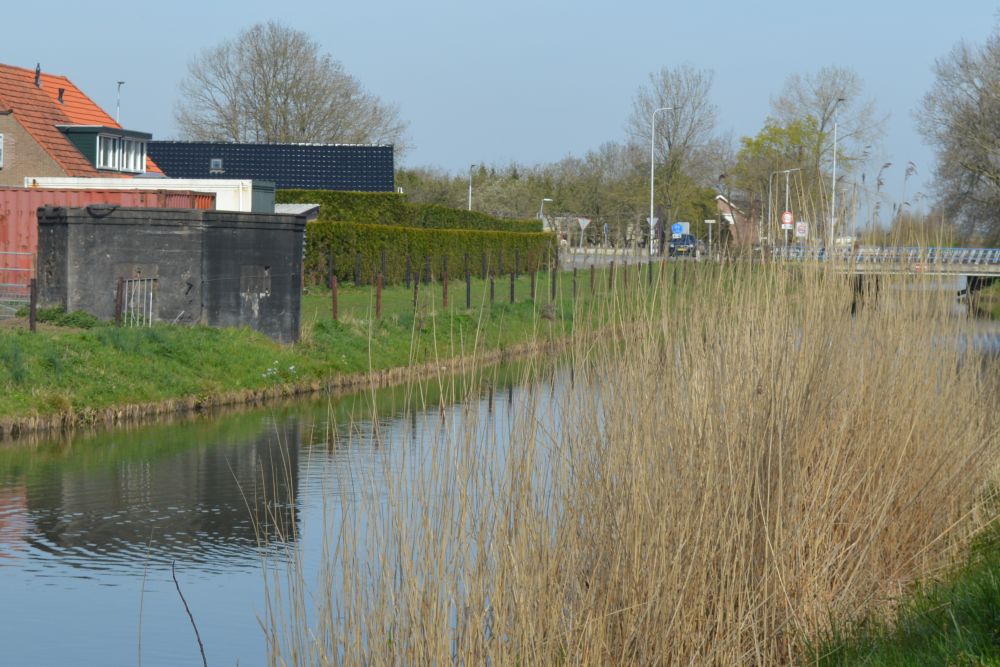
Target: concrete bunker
x=217 y=268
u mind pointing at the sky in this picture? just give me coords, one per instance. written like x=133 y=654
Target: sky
x=520 y=81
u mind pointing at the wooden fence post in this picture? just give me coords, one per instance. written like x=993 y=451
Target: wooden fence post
x=333 y=295
x=492 y=289
x=119 y=299
x=378 y=296
x=517 y=264
x=427 y=269
x=552 y=281
x=593 y=277
x=611 y=276
x=357 y=270
x=382 y=264
x=409 y=270
x=533 y=278
x=512 y=287
x=444 y=285
x=32 y=305
x=468 y=288
x=574 y=283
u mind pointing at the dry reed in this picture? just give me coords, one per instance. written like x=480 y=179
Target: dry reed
x=745 y=463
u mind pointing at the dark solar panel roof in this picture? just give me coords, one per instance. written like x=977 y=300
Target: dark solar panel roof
x=354 y=167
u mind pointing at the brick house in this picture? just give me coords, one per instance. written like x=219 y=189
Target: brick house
x=49 y=127
x=740 y=225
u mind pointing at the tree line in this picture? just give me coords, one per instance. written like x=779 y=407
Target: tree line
x=272 y=83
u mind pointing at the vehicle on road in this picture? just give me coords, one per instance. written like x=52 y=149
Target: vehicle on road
x=683 y=246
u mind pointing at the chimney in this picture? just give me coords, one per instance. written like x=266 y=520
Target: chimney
x=61 y=91
x=38 y=75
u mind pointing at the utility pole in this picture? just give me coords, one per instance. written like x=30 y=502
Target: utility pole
x=833 y=187
x=652 y=170
x=787 y=173
x=471 y=167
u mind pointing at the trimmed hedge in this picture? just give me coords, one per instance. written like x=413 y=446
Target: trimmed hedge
x=370 y=208
x=389 y=208
x=432 y=216
x=345 y=241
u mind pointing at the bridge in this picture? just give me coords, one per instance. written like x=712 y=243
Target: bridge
x=982 y=262
x=980 y=267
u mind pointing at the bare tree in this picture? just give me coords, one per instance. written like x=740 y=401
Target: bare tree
x=682 y=131
x=273 y=84
x=960 y=116
x=812 y=100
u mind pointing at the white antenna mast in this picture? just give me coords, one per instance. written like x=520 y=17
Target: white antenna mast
x=118 y=104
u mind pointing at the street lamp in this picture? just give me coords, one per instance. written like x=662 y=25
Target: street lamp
x=833 y=187
x=471 y=167
x=652 y=170
x=770 y=215
x=541 y=210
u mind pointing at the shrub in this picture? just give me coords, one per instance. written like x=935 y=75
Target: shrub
x=58 y=317
x=345 y=241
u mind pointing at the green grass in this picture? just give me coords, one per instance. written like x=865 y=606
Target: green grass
x=68 y=367
x=954 y=620
x=986 y=301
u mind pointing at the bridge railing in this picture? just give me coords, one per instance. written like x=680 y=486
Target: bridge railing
x=893 y=255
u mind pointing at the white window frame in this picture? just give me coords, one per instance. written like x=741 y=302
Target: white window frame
x=215 y=165
x=1 y=150
x=126 y=154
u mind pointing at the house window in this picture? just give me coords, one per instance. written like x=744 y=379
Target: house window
x=121 y=154
x=215 y=165
x=1 y=151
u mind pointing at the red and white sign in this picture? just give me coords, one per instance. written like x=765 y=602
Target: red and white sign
x=787 y=220
x=801 y=230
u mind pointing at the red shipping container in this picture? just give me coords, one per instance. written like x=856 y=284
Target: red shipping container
x=19 y=218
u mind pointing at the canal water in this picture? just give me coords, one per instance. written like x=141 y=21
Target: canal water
x=94 y=527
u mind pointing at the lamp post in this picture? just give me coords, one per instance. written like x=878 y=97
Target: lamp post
x=833 y=186
x=471 y=167
x=652 y=170
x=541 y=210
x=709 y=223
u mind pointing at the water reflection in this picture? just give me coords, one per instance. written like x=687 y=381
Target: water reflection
x=194 y=501
x=90 y=525
x=209 y=491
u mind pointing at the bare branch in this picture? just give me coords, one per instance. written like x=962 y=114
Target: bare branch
x=273 y=84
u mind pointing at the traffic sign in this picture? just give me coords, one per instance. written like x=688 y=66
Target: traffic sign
x=801 y=230
x=787 y=219
x=652 y=221
x=583 y=222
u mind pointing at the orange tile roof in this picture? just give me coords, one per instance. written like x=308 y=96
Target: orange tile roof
x=38 y=110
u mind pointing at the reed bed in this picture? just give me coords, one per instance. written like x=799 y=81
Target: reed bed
x=755 y=452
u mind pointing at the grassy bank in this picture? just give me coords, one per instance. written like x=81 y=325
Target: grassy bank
x=951 y=619
x=751 y=467
x=75 y=368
